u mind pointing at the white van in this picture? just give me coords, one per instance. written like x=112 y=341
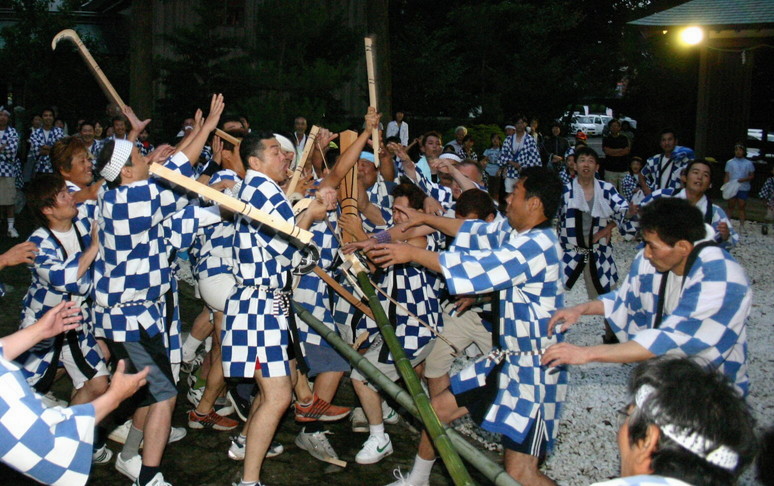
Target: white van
x=589 y=124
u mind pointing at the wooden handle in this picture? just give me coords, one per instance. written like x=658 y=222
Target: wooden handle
x=372 y=100
x=232 y=203
x=310 y=141
x=348 y=296
x=228 y=138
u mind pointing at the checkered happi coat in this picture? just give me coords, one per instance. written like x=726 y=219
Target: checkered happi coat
x=256 y=327
x=37 y=140
x=132 y=270
x=525 y=269
x=570 y=229
x=50 y=445
x=10 y=143
x=708 y=322
x=54 y=279
x=528 y=156
x=653 y=170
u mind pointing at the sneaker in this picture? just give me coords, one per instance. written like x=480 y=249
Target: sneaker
x=102 y=455
x=359 y=420
x=51 y=401
x=372 y=451
x=194 y=396
x=401 y=481
x=129 y=467
x=389 y=415
x=210 y=421
x=158 y=480
x=12 y=233
x=196 y=362
x=320 y=410
x=237 y=449
x=119 y=433
x=316 y=444
x=241 y=406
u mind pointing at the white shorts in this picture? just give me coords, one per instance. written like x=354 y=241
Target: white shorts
x=75 y=373
x=216 y=289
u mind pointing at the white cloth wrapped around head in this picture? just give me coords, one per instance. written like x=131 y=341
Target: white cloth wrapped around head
x=122 y=150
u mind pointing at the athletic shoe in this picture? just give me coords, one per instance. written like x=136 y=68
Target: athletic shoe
x=130 y=467
x=119 y=433
x=237 y=449
x=372 y=451
x=241 y=406
x=101 y=455
x=175 y=434
x=224 y=407
x=194 y=395
x=389 y=414
x=196 y=362
x=158 y=480
x=210 y=421
x=401 y=481
x=12 y=233
x=316 y=444
x=359 y=420
x=320 y=410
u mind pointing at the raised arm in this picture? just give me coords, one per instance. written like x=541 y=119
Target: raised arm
x=349 y=158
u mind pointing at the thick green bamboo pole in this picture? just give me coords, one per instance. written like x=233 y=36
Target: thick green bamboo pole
x=486 y=466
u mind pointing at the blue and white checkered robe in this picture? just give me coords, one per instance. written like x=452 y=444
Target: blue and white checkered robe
x=718 y=215
x=49 y=445
x=54 y=279
x=379 y=195
x=767 y=192
x=10 y=143
x=629 y=185
x=37 y=140
x=653 y=170
x=708 y=322
x=564 y=176
x=643 y=480
x=132 y=270
x=569 y=236
x=440 y=193
x=256 y=327
x=528 y=156
x=96 y=148
x=145 y=150
x=526 y=270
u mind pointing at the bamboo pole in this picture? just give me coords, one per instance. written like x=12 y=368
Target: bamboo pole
x=372 y=97
x=486 y=466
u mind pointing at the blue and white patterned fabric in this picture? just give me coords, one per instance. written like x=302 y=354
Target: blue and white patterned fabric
x=440 y=193
x=564 y=176
x=38 y=139
x=96 y=148
x=55 y=279
x=659 y=168
x=713 y=214
x=146 y=150
x=132 y=270
x=379 y=195
x=708 y=321
x=767 y=192
x=204 y=159
x=629 y=185
x=256 y=324
x=10 y=144
x=574 y=243
x=643 y=480
x=49 y=445
x=526 y=271
x=527 y=156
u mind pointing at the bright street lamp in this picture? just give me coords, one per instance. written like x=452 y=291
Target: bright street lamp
x=692 y=35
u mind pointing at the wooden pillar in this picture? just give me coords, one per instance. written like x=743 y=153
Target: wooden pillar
x=141 y=58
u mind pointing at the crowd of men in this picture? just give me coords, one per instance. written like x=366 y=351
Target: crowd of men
x=452 y=271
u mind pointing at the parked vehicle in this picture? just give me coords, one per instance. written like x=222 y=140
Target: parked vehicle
x=588 y=124
x=757 y=149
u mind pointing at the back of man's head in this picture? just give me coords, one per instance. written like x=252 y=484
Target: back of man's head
x=706 y=430
x=673 y=219
x=545 y=185
x=475 y=204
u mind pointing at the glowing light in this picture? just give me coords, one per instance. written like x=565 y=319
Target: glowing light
x=692 y=35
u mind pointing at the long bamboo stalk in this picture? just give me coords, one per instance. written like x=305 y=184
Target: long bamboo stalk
x=486 y=466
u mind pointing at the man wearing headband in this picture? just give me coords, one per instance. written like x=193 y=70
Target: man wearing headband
x=140 y=221
x=519 y=151
x=685 y=425
x=9 y=144
x=684 y=296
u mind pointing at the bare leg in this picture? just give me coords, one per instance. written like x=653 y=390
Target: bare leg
x=90 y=390
x=371 y=402
x=156 y=431
x=326 y=384
x=524 y=469
x=216 y=383
x=445 y=406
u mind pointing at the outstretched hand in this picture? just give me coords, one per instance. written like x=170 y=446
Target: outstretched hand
x=124 y=385
x=61 y=318
x=413 y=217
x=568 y=317
x=388 y=254
x=17 y=254
x=216 y=109
x=137 y=125
x=161 y=154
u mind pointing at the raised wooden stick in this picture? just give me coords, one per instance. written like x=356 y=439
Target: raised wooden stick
x=228 y=138
x=310 y=143
x=232 y=203
x=372 y=99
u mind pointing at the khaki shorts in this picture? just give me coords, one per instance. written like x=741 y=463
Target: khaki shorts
x=388 y=369
x=462 y=330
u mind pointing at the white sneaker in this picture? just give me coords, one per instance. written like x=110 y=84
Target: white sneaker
x=120 y=433
x=401 y=481
x=359 y=420
x=158 y=480
x=316 y=444
x=12 y=233
x=101 y=455
x=372 y=451
x=130 y=467
x=389 y=415
x=236 y=450
x=195 y=395
x=175 y=434
x=224 y=407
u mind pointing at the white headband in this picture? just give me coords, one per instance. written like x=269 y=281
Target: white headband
x=285 y=144
x=449 y=156
x=719 y=455
x=122 y=150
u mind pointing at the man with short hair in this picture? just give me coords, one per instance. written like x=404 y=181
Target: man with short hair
x=741 y=170
x=456 y=144
x=42 y=140
x=86 y=133
x=684 y=295
x=616 y=147
x=398 y=128
x=299 y=135
x=9 y=169
x=519 y=152
x=685 y=425
x=663 y=171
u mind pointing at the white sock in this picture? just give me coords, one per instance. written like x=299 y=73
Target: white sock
x=378 y=431
x=420 y=472
x=189 y=348
x=207 y=343
x=10 y=222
